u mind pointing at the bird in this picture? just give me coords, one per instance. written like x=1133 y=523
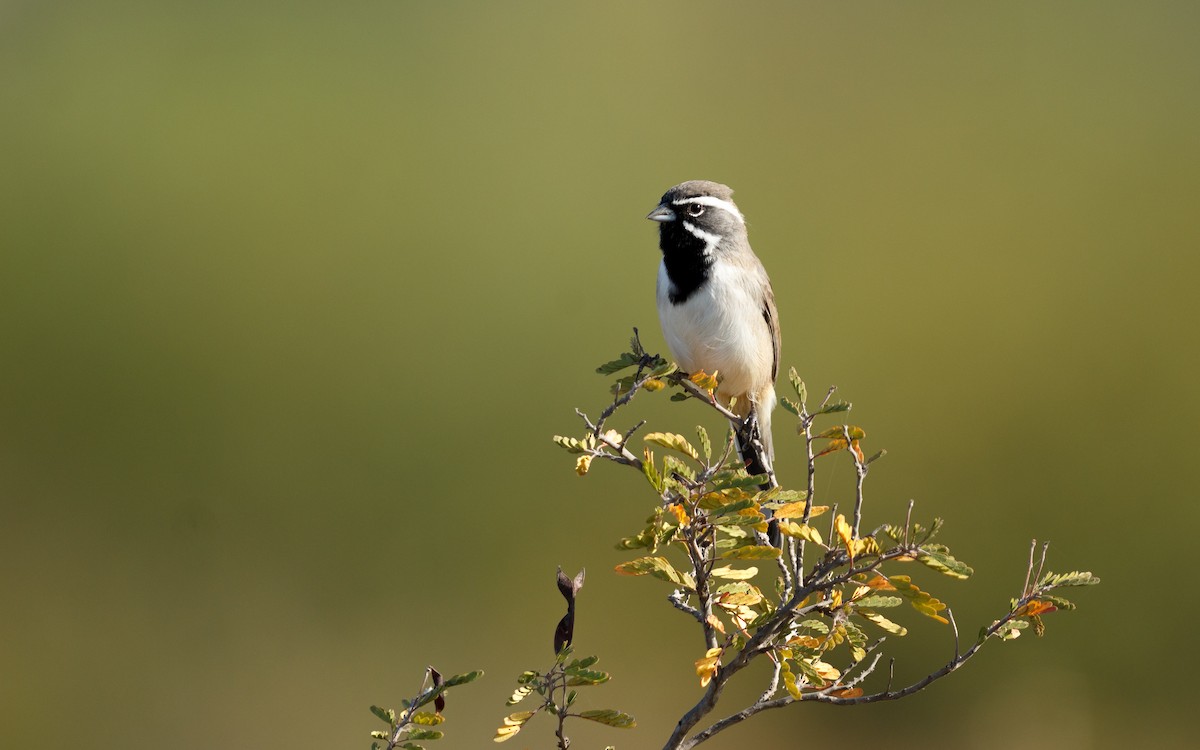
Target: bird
x=717 y=308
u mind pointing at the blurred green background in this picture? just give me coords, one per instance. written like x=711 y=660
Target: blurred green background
x=293 y=296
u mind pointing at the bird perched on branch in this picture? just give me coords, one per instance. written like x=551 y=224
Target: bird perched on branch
x=717 y=309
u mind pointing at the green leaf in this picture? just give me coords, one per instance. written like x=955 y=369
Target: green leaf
x=651 y=471
x=427 y=719
x=838 y=433
x=663 y=368
x=572 y=445
x=586 y=677
x=1057 y=601
x=731 y=480
x=426 y=734
x=705 y=443
x=729 y=508
x=583 y=663
x=798 y=384
x=1011 y=629
x=877 y=601
x=751 y=552
x=627 y=359
x=790 y=405
x=659 y=567
x=724 y=522
x=835 y=407
x=1074 y=578
x=609 y=717
x=946 y=565
x=680 y=396
x=386 y=714
x=814 y=677
x=462 y=679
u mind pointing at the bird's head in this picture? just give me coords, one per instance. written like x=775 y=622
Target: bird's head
x=697 y=215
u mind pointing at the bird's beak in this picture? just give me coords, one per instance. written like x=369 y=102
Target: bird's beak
x=662 y=213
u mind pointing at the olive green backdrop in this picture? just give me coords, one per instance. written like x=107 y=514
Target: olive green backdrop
x=293 y=296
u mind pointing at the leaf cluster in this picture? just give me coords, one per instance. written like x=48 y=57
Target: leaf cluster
x=409 y=726
x=806 y=603
x=556 y=692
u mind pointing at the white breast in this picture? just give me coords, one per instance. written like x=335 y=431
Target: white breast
x=721 y=328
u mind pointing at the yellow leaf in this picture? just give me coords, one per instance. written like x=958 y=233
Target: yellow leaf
x=716 y=624
x=734 y=574
x=836 y=598
x=654 y=384
x=882 y=621
x=706 y=667
x=613 y=437
x=789 y=682
x=737 y=598
x=828 y=671
x=845 y=533
x=674 y=442
x=801 y=531
x=834 y=446
x=796 y=510
x=582 y=464
x=518 y=718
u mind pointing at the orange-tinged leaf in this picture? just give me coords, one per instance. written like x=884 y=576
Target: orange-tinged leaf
x=847 y=693
x=879 y=583
x=858 y=453
x=806 y=641
x=704 y=380
x=834 y=446
x=716 y=624
x=676 y=510
x=1035 y=608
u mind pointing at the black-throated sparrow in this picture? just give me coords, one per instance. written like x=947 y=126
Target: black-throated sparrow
x=717 y=309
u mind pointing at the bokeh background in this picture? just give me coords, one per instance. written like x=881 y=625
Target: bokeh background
x=293 y=296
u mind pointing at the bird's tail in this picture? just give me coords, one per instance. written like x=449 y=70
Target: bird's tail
x=754 y=442
x=755 y=449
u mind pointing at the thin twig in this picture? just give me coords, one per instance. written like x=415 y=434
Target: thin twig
x=1029 y=568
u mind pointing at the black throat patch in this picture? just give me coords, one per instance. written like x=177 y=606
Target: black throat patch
x=687 y=266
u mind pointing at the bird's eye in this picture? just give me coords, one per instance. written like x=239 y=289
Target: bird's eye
x=695 y=209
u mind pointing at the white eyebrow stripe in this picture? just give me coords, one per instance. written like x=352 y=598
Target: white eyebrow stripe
x=708 y=200
x=710 y=240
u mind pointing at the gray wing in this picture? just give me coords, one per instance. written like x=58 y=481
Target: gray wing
x=771 y=316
